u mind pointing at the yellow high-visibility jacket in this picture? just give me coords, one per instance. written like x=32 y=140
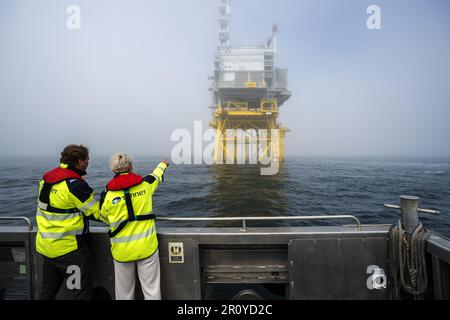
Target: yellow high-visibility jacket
x=65 y=201
x=126 y=205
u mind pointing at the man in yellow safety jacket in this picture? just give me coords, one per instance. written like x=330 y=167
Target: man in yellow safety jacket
x=65 y=203
x=126 y=204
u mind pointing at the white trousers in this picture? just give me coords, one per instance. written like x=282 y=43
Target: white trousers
x=149 y=276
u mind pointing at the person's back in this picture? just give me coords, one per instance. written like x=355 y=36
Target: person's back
x=65 y=201
x=126 y=205
x=134 y=241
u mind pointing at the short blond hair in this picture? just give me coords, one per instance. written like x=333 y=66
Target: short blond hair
x=121 y=163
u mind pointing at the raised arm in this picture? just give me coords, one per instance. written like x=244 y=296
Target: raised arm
x=157 y=176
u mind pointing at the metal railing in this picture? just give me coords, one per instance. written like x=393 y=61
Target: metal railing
x=245 y=219
x=240 y=84
x=28 y=221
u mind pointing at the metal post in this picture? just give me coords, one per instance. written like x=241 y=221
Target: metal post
x=409 y=213
x=244 y=226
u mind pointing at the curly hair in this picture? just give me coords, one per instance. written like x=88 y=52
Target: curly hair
x=121 y=163
x=72 y=153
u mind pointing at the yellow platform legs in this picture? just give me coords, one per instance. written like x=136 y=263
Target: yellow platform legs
x=246 y=134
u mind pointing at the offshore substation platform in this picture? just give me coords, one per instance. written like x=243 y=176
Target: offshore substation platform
x=247 y=92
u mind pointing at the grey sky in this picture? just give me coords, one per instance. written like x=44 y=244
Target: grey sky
x=137 y=70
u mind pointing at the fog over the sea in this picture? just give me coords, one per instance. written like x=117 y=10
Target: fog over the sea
x=137 y=70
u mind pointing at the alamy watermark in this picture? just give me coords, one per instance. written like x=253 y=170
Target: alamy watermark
x=374 y=20
x=74 y=280
x=235 y=146
x=377 y=280
x=74 y=19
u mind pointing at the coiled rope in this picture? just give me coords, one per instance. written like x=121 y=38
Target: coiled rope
x=408 y=258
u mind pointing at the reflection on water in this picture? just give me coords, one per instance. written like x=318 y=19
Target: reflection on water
x=241 y=191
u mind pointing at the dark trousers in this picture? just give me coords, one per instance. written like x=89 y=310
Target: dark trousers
x=72 y=272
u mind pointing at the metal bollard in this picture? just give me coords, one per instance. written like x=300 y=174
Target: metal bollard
x=409 y=206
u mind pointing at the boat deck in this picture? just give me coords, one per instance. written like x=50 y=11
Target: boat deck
x=326 y=262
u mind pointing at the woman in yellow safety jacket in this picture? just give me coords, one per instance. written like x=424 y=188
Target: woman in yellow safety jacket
x=126 y=205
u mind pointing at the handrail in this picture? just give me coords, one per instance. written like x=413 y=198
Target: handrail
x=244 y=219
x=30 y=226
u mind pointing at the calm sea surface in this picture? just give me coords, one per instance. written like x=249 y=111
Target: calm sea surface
x=304 y=186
